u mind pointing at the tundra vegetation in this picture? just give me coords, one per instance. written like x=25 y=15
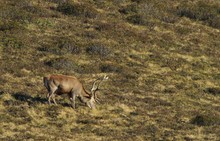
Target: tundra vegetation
x=162 y=59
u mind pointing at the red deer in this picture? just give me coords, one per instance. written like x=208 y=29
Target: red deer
x=63 y=84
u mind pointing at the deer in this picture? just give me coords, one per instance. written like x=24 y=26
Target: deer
x=57 y=84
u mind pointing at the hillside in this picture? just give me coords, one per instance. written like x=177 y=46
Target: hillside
x=162 y=59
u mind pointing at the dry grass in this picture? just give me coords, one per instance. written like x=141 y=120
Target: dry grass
x=163 y=66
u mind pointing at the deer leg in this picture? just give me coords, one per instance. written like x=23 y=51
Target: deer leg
x=48 y=94
x=73 y=99
x=49 y=100
x=53 y=98
x=51 y=95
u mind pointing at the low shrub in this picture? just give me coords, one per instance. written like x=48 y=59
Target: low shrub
x=44 y=23
x=8 y=25
x=11 y=42
x=68 y=47
x=58 y=1
x=77 y=10
x=61 y=47
x=98 y=50
x=107 y=68
x=68 y=9
x=136 y=19
x=169 y=18
x=214 y=22
x=62 y=64
x=213 y=91
x=202 y=11
x=206 y=120
x=130 y=9
x=15 y=14
x=104 y=26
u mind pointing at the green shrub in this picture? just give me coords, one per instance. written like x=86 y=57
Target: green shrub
x=11 y=42
x=44 y=23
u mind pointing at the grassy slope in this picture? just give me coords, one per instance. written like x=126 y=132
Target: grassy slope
x=163 y=69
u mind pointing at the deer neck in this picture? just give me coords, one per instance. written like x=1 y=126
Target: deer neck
x=85 y=96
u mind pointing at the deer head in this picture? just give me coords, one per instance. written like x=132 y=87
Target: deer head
x=95 y=88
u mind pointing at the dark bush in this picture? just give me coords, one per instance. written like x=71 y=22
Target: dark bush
x=1 y=93
x=61 y=47
x=69 y=65
x=170 y=90
x=201 y=11
x=58 y=1
x=8 y=25
x=109 y=68
x=213 y=91
x=104 y=26
x=68 y=47
x=77 y=10
x=215 y=22
x=62 y=64
x=206 y=120
x=169 y=19
x=98 y=50
x=130 y=9
x=136 y=19
x=138 y=1
x=68 y=9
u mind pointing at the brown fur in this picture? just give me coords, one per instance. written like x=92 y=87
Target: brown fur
x=63 y=84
